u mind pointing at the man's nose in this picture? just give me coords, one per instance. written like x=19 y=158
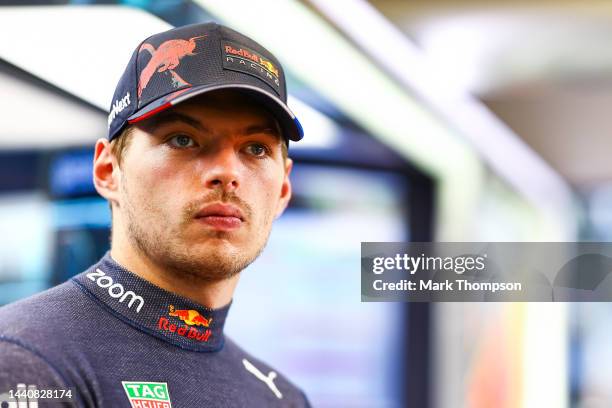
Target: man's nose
x=223 y=170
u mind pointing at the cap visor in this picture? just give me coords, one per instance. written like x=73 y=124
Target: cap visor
x=289 y=123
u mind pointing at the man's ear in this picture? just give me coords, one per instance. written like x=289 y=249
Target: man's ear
x=105 y=174
x=285 y=195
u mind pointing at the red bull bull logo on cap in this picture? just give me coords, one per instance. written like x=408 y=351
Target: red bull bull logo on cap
x=166 y=57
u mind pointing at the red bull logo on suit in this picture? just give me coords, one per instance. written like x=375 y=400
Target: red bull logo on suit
x=191 y=318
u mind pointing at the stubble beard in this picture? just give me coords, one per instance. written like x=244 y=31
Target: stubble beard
x=162 y=246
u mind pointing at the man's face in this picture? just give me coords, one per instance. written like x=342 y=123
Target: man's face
x=201 y=183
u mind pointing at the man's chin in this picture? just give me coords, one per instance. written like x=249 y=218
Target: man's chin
x=218 y=262
x=217 y=247
x=218 y=241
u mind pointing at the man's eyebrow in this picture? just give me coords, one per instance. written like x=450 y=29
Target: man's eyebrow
x=267 y=127
x=167 y=117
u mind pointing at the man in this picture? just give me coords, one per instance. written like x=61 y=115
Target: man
x=195 y=169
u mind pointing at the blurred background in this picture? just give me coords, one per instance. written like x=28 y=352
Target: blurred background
x=424 y=120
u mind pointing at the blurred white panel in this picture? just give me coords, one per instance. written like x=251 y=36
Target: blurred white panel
x=81 y=49
x=37 y=117
x=501 y=149
x=323 y=133
x=498 y=47
x=543 y=67
x=545 y=356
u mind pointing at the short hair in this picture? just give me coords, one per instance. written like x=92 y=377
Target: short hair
x=120 y=143
x=118 y=147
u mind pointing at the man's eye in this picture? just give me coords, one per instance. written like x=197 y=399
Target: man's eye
x=257 y=149
x=181 y=141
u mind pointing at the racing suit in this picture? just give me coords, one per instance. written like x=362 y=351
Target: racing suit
x=114 y=339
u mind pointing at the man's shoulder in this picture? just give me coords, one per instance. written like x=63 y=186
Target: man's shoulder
x=258 y=368
x=43 y=311
x=36 y=345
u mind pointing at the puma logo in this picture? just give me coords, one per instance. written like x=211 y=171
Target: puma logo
x=267 y=379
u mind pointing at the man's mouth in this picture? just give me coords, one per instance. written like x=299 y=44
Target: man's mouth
x=223 y=217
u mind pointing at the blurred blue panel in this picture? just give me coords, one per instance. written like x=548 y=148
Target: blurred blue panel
x=70 y=173
x=19 y=171
x=13 y=291
x=80 y=213
x=82 y=231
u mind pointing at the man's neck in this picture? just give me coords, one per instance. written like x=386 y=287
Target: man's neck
x=210 y=294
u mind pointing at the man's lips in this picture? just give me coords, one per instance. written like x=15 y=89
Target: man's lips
x=221 y=216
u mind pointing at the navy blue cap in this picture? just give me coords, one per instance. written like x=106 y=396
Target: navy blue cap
x=178 y=64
